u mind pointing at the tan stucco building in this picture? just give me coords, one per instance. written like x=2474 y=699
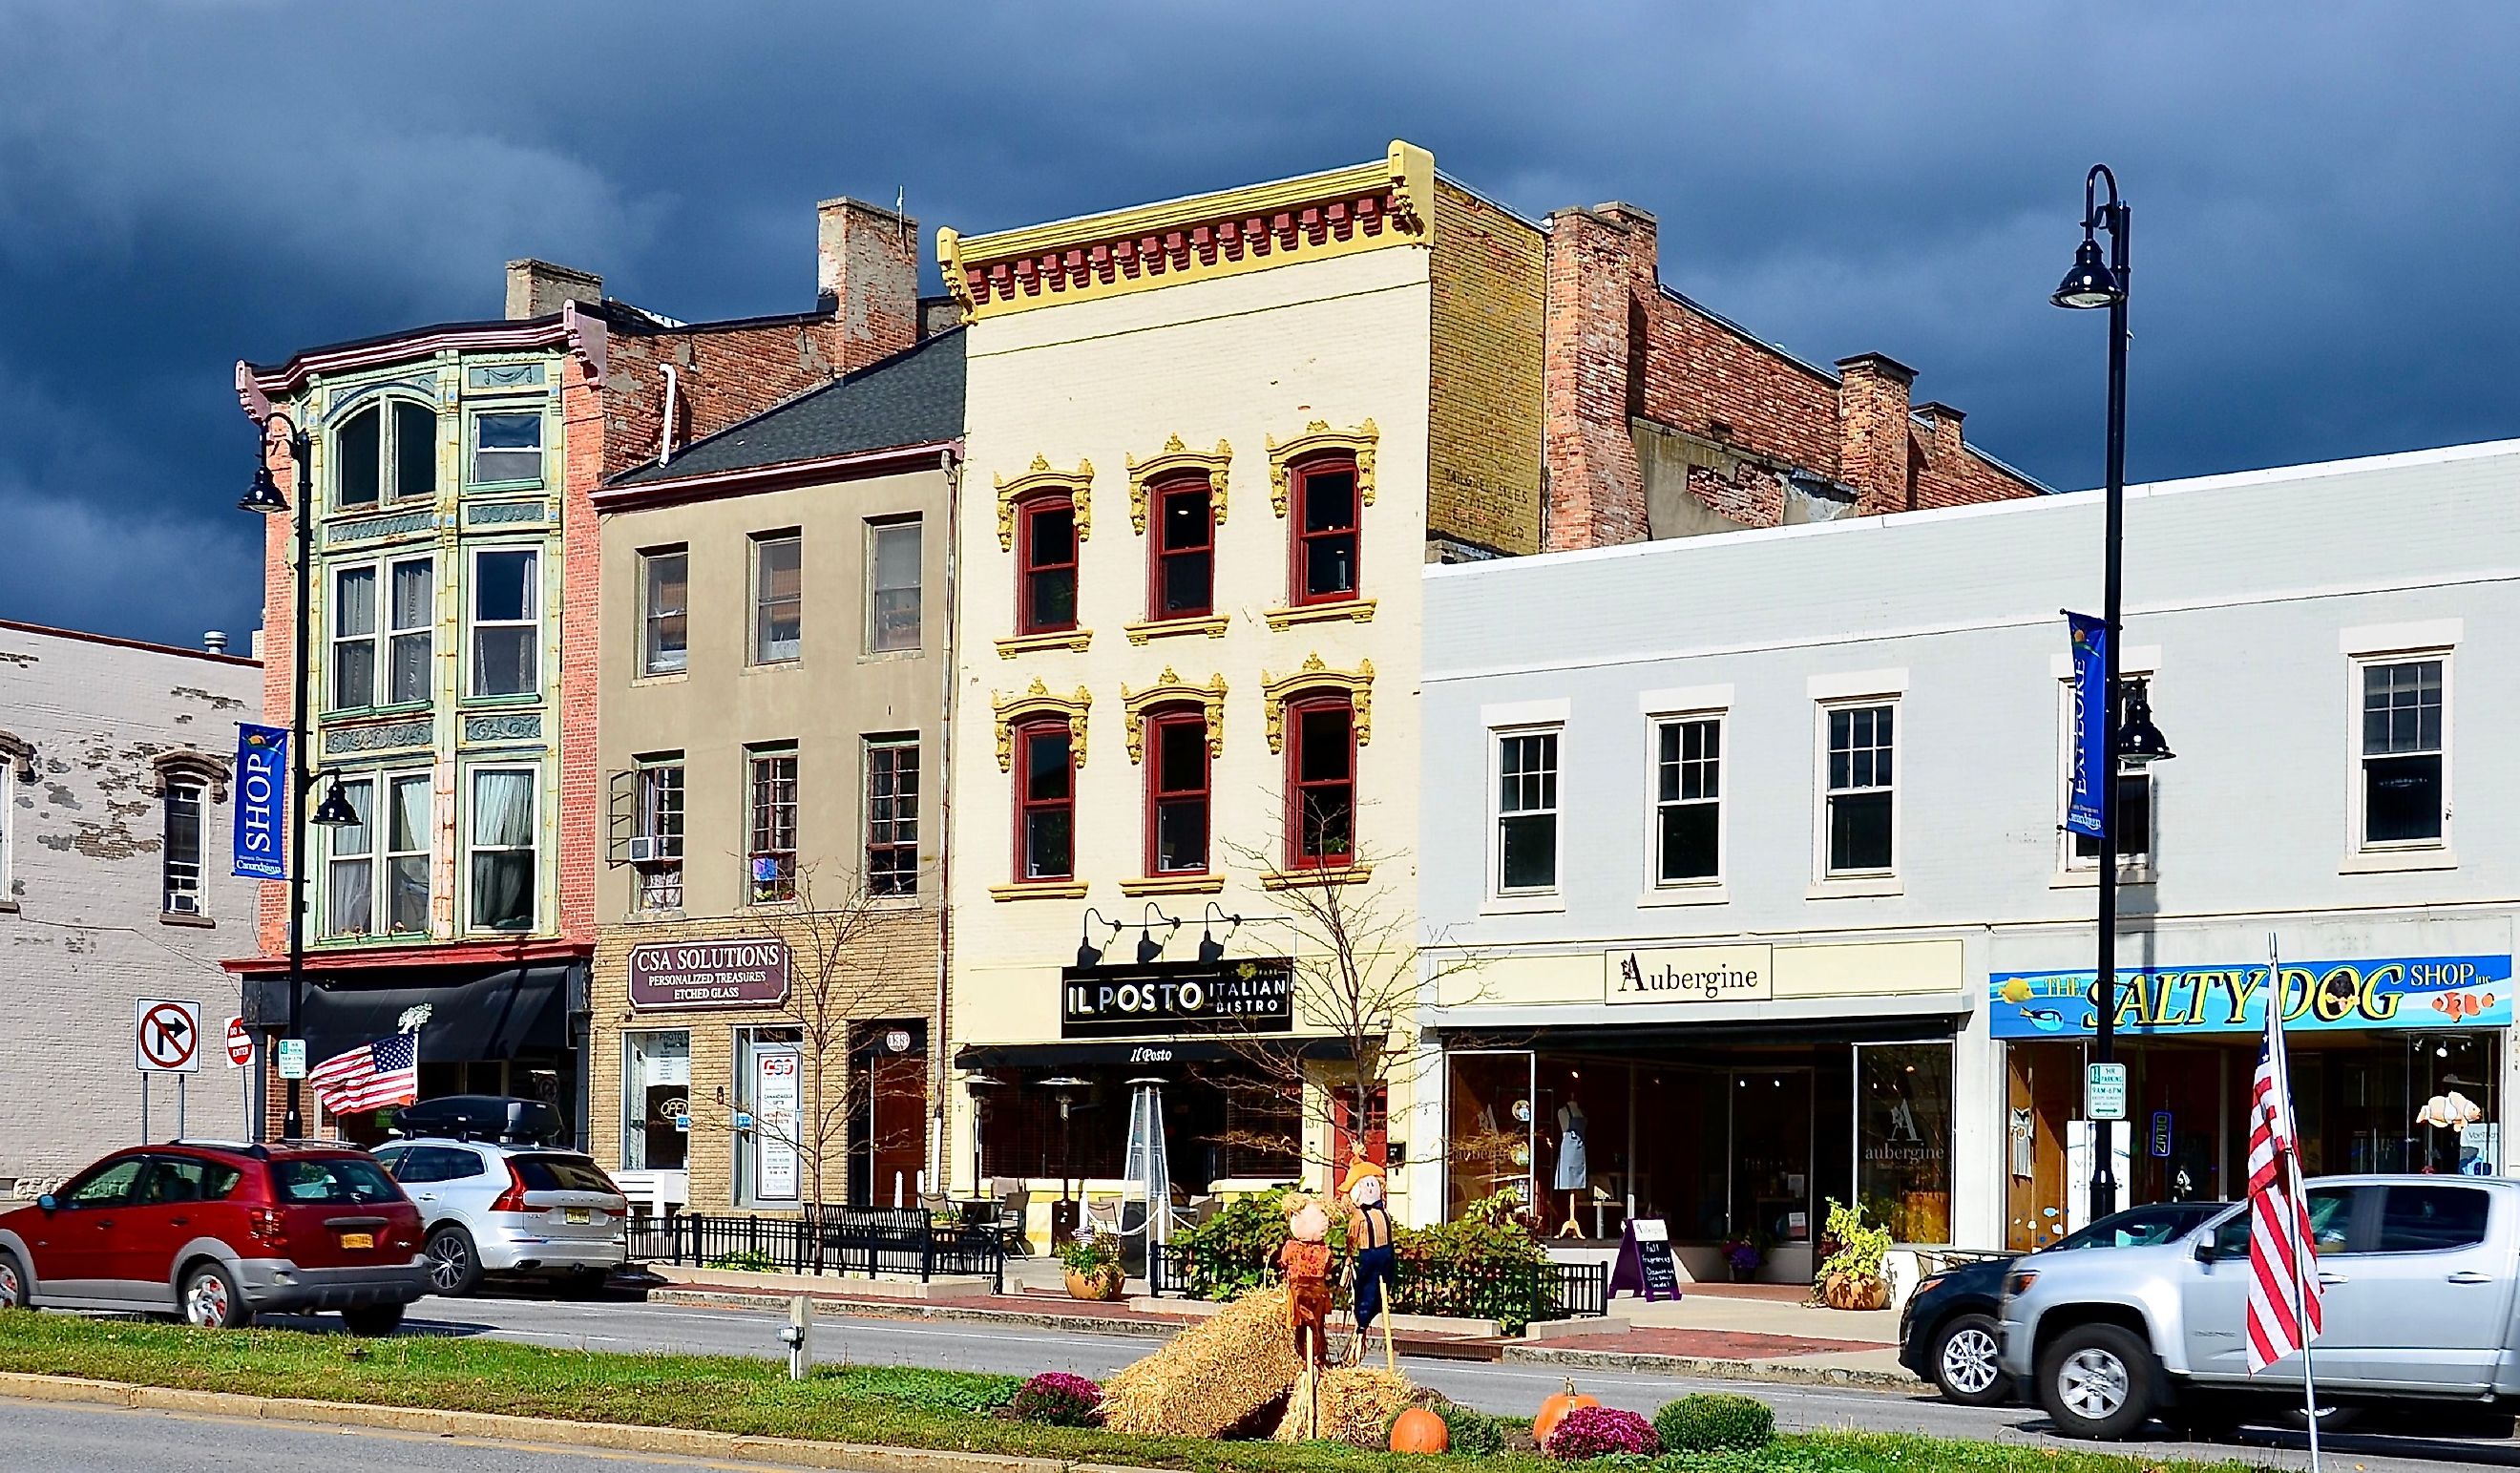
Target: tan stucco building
x=768 y=961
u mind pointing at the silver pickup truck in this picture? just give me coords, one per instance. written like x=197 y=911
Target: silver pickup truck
x=2417 y=1275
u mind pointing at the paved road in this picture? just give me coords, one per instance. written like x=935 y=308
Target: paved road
x=41 y=1438
x=967 y=1346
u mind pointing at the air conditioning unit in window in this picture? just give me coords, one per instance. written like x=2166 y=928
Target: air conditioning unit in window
x=183 y=904
x=646 y=849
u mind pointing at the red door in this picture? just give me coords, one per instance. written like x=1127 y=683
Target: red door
x=896 y=1125
x=1376 y=1135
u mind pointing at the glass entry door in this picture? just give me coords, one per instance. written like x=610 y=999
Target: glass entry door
x=1489 y=1117
x=1771 y=1155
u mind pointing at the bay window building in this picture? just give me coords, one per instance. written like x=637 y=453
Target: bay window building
x=1773 y=903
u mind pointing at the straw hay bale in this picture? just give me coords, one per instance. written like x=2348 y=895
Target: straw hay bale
x=1210 y=1377
x=1358 y=1403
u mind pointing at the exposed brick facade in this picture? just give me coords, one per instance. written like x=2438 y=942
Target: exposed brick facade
x=1483 y=415
x=1621 y=349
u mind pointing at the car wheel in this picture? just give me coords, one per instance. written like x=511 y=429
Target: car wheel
x=212 y=1301
x=12 y=1281
x=373 y=1319
x=2097 y=1382
x=1964 y=1363
x=454 y=1265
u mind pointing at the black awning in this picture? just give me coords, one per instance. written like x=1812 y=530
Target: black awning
x=1068 y=1055
x=475 y=1014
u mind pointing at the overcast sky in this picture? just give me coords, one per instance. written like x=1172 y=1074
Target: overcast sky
x=2325 y=196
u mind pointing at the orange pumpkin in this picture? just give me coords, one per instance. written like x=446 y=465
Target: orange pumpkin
x=1418 y=1430
x=1553 y=1412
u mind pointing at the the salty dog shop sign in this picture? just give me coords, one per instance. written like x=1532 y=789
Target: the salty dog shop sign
x=2396 y=992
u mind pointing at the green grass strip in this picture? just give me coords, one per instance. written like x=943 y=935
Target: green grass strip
x=893 y=1405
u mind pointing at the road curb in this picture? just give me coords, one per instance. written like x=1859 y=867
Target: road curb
x=1725 y=1371
x=859 y=1308
x=492 y=1426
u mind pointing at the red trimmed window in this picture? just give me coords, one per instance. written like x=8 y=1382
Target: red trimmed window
x=1321 y=782
x=1046 y=564
x=1325 y=553
x=1183 y=575
x=1045 y=801
x=1176 y=791
x=1376 y=1134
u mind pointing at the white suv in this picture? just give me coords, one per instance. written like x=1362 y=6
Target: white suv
x=507 y=1208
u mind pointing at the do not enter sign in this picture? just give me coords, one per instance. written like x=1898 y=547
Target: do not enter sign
x=169 y=1037
x=239 y=1044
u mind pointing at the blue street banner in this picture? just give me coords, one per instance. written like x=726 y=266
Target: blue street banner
x=2090 y=722
x=262 y=801
x=2175 y=1002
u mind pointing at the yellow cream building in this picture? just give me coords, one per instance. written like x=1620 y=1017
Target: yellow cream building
x=1210 y=445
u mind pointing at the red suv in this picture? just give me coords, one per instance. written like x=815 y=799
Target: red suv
x=220 y=1232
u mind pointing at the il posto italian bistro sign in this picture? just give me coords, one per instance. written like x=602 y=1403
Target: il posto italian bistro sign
x=2394 y=991
x=668 y=974
x=1176 y=996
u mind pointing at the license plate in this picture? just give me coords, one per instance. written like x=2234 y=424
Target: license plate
x=574 y=1215
x=358 y=1239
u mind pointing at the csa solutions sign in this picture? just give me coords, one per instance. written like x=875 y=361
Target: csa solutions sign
x=669 y=974
x=2396 y=992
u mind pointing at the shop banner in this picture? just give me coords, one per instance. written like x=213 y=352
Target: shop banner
x=2090 y=724
x=262 y=800
x=1177 y=997
x=2396 y=992
x=777 y=1098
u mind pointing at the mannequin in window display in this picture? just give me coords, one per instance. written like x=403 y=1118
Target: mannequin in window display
x=1574 y=1171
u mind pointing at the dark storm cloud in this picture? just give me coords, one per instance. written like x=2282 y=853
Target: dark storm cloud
x=2324 y=199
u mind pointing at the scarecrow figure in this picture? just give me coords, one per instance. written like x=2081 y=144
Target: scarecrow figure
x=1306 y=1259
x=1370 y=1234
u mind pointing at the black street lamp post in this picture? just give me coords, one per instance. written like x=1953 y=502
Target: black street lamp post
x=2127 y=731
x=264 y=496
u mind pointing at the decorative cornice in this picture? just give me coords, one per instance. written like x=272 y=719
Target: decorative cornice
x=1174 y=885
x=1078 y=484
x=1389 y=202
x=1211 y=625
x=371 y=528
x=1360 y=610
x=1172 y=690
x=188 y=762
x=1039 y=889
x=505 y=727
x=1319 y=438
x=1034 y=644
x=18 y=759
x=1039 y=701
x=1357 y=683
x=1326 y=875
x=375 y=738
x=1178 y=459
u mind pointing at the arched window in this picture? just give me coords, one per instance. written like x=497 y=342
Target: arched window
x=1045 y=792
x=1181 y=557
x=1046 y=563
x=1320 y=781
x=1322 y=555
x=1177 y=791
x=386 y=451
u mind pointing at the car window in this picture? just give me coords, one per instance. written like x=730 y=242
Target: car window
x=333 y=1182
x=552 y=1172
x=455 y=1164
x=2139 y=1227
x=187 y=1179
x=2331 y=1218
x=108 y=1185
x=2431 y=1218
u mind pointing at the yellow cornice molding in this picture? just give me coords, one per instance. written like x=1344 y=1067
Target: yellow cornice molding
x=1174 y=885
x=1318 y=438
x=1039 y=889
x=1038 y=700
x=1326 y=875
x=1279 y=689
x=1212 y=625
x=1171 y=690
x=1033 y=644
x=1367 y=206
x=1360 y=610
x=1177 y=459
x=1043 y=476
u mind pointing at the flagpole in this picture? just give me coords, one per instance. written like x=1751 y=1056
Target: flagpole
x=2300 y=1205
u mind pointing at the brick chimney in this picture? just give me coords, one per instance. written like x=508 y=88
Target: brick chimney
x=536 y=288
x=1600 y=288
x=1945 y=420
x=1872 y=430
x=867 y=276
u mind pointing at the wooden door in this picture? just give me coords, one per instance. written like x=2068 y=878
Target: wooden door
x=2043 y=1081
x=896 y=1140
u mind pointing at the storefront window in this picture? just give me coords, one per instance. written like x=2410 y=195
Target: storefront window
x=1488 y=1123
x=769 y=1091
x=656 y=1100
x=1903 y=1138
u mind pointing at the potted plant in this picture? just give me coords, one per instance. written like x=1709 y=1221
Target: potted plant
x=1093 y=1265
x=1742 y=1256
x=1851 y=1278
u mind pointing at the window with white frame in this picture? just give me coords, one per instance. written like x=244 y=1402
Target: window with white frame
x=407 y=830
x=507 y=448
x=892 y=815
x=410 y=629
x=354 y=637
x=1526 y=811
x=1860 y=817
x=778 y=598
x=892 y=586
x=1689 y=798
x=379 y=866
x=2082 y=851
x=507 y=621
x=183 y=849
x=2401 y=791
x=664 y=611
x=409 y=615
x=660 y=824
x=770 y=856
x=500 y=849
x=377 y=454
x=350 y=865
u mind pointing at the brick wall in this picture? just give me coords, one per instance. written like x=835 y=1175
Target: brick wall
x=1483 y=418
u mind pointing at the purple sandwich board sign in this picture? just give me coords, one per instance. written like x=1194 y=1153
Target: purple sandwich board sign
x=1645 y=1267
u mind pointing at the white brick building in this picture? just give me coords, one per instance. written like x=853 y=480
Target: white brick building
x=115 y=837
x=1757 y=835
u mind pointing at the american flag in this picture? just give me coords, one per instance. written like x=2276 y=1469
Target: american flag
x=370 y=1076
x=2283 y=1252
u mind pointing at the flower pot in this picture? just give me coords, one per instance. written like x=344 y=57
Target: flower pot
x=1849 y=1291
x=1098 y=1284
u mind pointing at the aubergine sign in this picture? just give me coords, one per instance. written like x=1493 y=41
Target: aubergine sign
x=710 y=974
x=2392 y=992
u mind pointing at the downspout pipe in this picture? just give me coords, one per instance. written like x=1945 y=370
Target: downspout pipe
x=939 y=1043
x=666 y=431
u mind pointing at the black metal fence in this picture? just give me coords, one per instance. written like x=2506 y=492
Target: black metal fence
x=870 y=1240
x=1513 y=1294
